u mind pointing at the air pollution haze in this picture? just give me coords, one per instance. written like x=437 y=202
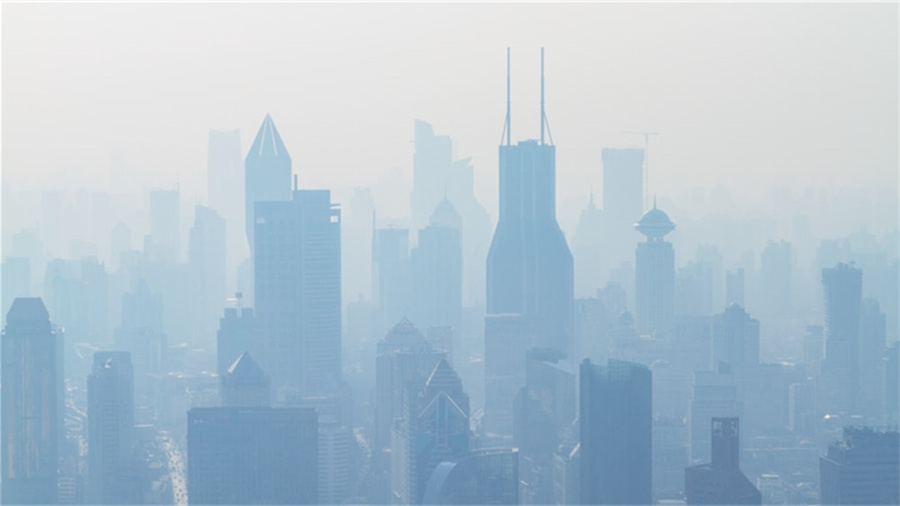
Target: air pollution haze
x=437 y=253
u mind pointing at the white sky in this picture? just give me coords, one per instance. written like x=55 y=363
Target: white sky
x=744 y=95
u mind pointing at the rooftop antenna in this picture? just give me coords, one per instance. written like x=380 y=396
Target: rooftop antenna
x=544 y=122
x=543 y=117
x=507 y=126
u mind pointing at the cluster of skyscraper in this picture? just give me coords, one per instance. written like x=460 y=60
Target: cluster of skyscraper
x=473 y=375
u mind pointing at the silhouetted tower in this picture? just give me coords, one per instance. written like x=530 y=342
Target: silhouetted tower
x=32 y=401
x=616 y=433
x=225 y=189
x=654 y=273
x=432 y=164
x=245 y=384
x=529 y=265
x=840 y=369
x=862 y=468
x=113 y=474
x=721 y=481
x=267 y=173
x=623 y=201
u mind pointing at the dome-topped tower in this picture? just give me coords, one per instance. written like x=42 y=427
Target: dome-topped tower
x=655 y=224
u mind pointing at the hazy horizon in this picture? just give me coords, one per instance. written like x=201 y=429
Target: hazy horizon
x=745 y=97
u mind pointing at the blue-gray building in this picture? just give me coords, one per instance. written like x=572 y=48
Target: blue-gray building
x=267 y=173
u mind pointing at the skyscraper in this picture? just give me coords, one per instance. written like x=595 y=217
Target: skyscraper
x=298 y=291
x=839 y=382
x=32 y=401
x=207 y=264
x=437 y=273
x=654 y=273
x=486 y=476
x=245 y=385
x=616 y=433
x=721 y=481
x=434 y=428
x=587 y=250
x=252 y=456
x=776 y=267
x=225 y=191
x=391 y=276
x=113 y=473
x=237 y=334
x=863 y=468
x=623 y=201
x=736 y=342
x=165 y=227
x=267 y=175
x=872 y=346
x=529 y=265
x=432 y=165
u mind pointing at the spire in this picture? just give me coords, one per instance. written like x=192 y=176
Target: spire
x=543 y=117
x=506 y=125
x=268 y=143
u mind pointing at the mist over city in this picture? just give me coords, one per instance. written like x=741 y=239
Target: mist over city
x=434 y=253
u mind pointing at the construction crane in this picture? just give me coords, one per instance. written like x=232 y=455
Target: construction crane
x=646 y=162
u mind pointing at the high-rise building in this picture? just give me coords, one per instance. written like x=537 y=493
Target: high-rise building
x=434 y=428
x=297 y=260
x=207 y=266
x=437 y=273
x=872 y=345
x=862 y=468
x=623 y=202
x=113 y=472
x=141 y=333
x=252 y=456
x=734 y=287
x=486 y=476
x=225 y=191
x=391 y=276
x=776 y=271
x=587 y=250
x=714 y=395
x=432 y=166
x=507 y=337
x=267 y=174
x=839 y=381
x=654 y=273
x=16 y=282
x=237 y=334
x=164 y=242
x=616 y=433
x=736 y=343
x=245 y=385
x=529 y=265
x=32 y=402
x=721 y=481
x=404 y=357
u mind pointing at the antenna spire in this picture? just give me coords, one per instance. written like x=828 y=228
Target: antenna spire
x=508 y=124
x=543 y=118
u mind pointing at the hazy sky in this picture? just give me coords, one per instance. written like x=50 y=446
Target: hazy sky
x=744 y=95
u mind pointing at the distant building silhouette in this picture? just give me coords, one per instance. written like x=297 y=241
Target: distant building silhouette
x=237 y=334
x=776 y=271
x=654 y=273
x=487 y=476
x=207 y=265
x=112 y=461
x=872 y=345
x=863 y=468
x=616 y=433
x=245 y=385
x=623 y=202
x=432 y=166
x=721 y=481
x=141 y=332
x=839 y=381
x=297 y=273
x=225 y=191
x=714 y=395
x=391 y=276
x=734 y=287
x=267 y=174
x=164 y=241
x=252 y=456
x=736 y=343
x=587 y=250
x=507 y=337
x=32 y=403
x=437 y=265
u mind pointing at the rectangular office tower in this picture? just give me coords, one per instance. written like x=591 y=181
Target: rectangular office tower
x=32 y=400
x=252 y=456
x=721 y=481
x=112 y=472
x=297 y=264
x=616 y=433
x=863 y=468
x=839 y=382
